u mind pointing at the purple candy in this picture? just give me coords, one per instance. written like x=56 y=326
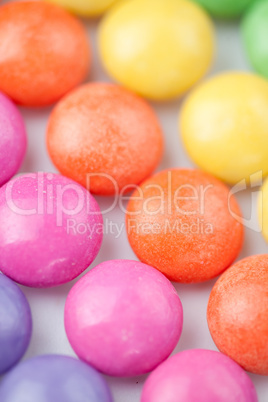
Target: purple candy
x=54 y=378
x=199 y=375
x=15 y=324
x=13 y=140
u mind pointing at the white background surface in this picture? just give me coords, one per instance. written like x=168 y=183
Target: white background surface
x=48 y=305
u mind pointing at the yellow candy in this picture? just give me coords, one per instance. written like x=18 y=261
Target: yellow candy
x=157 y=48
x=263 y=210
x=224 y=126
x=85 y=7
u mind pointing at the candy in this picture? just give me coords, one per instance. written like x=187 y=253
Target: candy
x=53 y=378
x=51 y=229
x=263 y=209
x=44 y=52
x=225 y=8
x=159 y=49
x=105 y=138
x=224 y=126
x=85 y=7
x=15 y=324
x=186 y=224
x=255 y=34
x=238 y=313
x=199 y=375
x=13 y=139
x=123 y=317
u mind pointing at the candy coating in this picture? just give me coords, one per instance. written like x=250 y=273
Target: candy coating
x=199 y=375
x=225 y=8
x=158 y=49
x=15 y=324
x=87 y=8
x=44 y=52
x=238 y=313
x=123 y=317
x=263 y=209
x=51 y=229
x=13 y=140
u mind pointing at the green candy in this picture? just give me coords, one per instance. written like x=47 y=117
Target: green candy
x=225 y=8
x=255 y=35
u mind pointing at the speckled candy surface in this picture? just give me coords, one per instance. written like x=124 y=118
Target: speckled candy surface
x=181 y=223
x=44 y=52
x=51 y=229
x=123 y=317
x=104 y=137
x=238 y=313
x=15 y=324
x=199 y=375
x=13 y=139
x=54 y=378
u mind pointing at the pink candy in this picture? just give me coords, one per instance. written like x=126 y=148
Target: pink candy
x=13 y=140
x=199 y=375
x=123 y=317
x=51 y=229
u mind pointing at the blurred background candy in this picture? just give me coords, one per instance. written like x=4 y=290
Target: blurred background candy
x=105 y=138
x=51 y=229
x=263 y=209
x=13 y=140
x=183 y=223
x=199 y=375
x=123 y=317
x=54 y=378
x=158 y=49
x=15 y=324
x=225 y=8
x=255 y=35
x=44 y=52
x=238 y=313
x=224 y=126
x=86 y=8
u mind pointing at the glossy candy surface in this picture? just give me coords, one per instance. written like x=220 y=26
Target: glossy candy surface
x=15 y=324
x=158 y=49
x=199 y=375
x=123 y=317
x=44 y=52
x=13 y=139
x=181 y=223
x=263 y=210
x=255 y=34
x=224 y=126
x=54 y=378
x=238 y=313
x=105 y=138
x=51 y=229
x=225 y=8
x=87 y=8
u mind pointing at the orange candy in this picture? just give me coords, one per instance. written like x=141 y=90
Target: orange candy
x=238 y=313
x=44 y=52
x=105 y=138
x=179 y=222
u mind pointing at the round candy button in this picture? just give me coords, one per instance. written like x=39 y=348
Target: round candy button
x=13 y=139
x=123 y=317
x=186 y=224
x=158 y=49
x=199 y=375
x=15 y=324
x=51 y=229
x=224 y=126
x=44 y=52
x=104 y=137
x=85 y=7
x=53 y=378
x=238 y=313
x=225 y=8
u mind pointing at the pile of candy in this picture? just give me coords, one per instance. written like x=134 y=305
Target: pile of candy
x=124 y=318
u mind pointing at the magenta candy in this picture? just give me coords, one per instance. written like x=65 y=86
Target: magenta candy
x=13 y=140
x=123 y=317
x=199 y=375
x=51 y=229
